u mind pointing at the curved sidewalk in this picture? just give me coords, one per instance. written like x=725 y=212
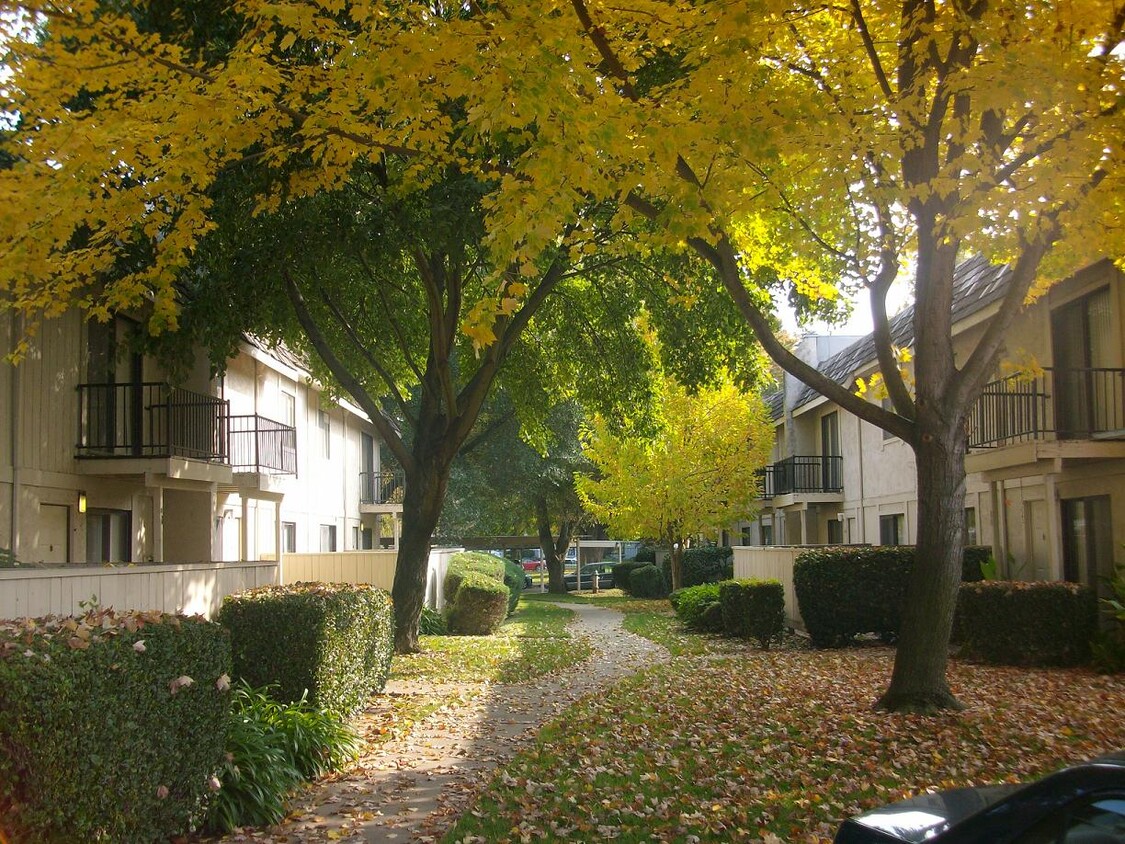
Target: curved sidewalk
x=415 y=787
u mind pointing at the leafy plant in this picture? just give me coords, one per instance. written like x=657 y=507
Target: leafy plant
x=709 y=564
x=1108 y=648
x=479 y=605
x=648 y=582
x=753 y=609
x=432 y=622
x=691 y=606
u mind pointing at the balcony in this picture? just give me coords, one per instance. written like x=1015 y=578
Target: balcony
x=262 y=446
x=810 y=474
x=150 y=420
x=381 y=488
x=1062 y=404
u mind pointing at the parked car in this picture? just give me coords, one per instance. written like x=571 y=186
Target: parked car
x=1084 y=804
x=531 y=559
x=604 y=572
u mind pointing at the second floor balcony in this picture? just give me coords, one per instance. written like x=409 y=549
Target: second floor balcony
x=1060 y=404
x=803 y=474
x=381 y=488
x=261 y=445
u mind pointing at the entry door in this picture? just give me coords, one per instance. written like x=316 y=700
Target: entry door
x=1088 y=542
x=54 y=534
x=1035 y=515
x=830 y=451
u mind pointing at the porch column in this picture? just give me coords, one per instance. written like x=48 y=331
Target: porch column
x=157 y=524
x=396 y=521
x=1054 y=529
x=279 y=552
x=244 y=539
x=805 y=526
x=216 y=524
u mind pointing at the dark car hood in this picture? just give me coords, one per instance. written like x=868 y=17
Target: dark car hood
x=920 y=818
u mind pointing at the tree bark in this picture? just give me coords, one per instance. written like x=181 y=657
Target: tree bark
x=676 y=562
x=554 y=550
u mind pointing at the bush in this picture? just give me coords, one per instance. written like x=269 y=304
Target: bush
x=112 y=726
x=271 y=747
x=753 y=609
x=432 y=622
x=691 y=606
x=647 y=582
x=513 y=579
x=710 y=564
x=1017 y=623
x=842 y=592
x=331 y=640
x=504 y=571
x=1109 y=645
x=645 y=554
x=479 y=607
x=622 y=572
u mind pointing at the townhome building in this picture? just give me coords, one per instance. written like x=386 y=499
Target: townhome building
x=1045 y=474
x=106 y=458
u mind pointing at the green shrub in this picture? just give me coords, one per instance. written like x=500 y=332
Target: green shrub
x=645 y=554
x=113 y=725
x=709 y=564
x=1108 y=646
x=842 y=592
x=333 y=640
x=647 y=582
x=479 y=607
x=505 y=571
x=753 y=609
x=691 y=606
x=622 y=572
x=513 y=579
x=432 y=622
x=1016 y=623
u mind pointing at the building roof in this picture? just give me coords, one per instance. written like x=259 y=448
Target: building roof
x=976 y=284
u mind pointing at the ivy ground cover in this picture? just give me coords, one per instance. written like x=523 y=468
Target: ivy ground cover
x=781 y=746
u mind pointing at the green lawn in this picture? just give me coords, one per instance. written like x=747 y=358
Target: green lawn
x=779 y=745
x=532 y=642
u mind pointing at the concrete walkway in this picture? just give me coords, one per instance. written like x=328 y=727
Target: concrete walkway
x=415 y=787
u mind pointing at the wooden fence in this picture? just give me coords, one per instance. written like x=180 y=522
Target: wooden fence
x=374 y=567
x=773 y=562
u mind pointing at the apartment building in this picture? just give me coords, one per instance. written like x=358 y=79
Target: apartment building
x=1045 y=475
x=103 y=458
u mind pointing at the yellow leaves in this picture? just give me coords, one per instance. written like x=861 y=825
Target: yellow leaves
x=1023 y=366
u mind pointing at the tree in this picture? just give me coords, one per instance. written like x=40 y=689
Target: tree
x=698 y=475
x=837 y=144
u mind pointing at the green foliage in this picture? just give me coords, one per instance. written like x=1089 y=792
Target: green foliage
x=432 y=622
x=753 y=609
x=1109 y=646
x=8 y=559
x=479 y=606
x=977 y=563
x=113 y=725
x=331 y=640
x=271 y=747
x=842 y=592
x=503 y=571
x=513 y=579
x=691 y=604
x=709 y=564
x=647 y=582
x=622 y=573
x=646 y=554
x=1018 y=623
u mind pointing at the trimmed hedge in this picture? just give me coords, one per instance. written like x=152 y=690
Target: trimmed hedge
x=480 y=605
x=645 y=554
x=691 y=606
x=622 y=572
x=648 y=582
x=710 y=564
x=1017 y=623
x=335 y=640
x=113 y=725
x=505 y=571
x=753 y=609
x=842 y=592
x=513 y=579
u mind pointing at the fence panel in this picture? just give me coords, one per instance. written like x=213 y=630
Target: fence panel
x=374 y=567
x=771 y=563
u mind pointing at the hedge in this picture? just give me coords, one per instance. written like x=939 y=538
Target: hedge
x=335 y=640
x=709 y=564
x=753 y=609
x=113 y=725
x=504 y=571
x=514 y=580
x=480 y=605
x=647 y=582
x=622 y=572
x=1017 y=623
x=691 y=606
x=842 y=592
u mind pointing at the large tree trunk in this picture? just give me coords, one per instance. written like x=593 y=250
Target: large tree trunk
x=421 y=509
x=554 y=549
x=918 y=682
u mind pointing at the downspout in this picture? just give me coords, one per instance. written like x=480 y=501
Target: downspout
x=862 y=507
x=15 y=328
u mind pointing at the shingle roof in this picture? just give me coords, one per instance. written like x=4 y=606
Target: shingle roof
x=976 y=284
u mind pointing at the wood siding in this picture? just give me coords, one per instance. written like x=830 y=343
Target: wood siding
x=771 y=563
x=374 y=567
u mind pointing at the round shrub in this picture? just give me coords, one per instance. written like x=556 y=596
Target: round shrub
x=513 y=579
x=753 y=609
x=623 y=571
x=691 y=605
x=645 y=554
x=647 y=582
x=480 y=605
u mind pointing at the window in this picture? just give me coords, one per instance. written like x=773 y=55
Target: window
x=324 y=422
x=970 y=525
x=328 y=537
x=1088 y=542
x=367 y=539
x=1091 y=820
x=892 y=529
x=289 y=537
x=830 y=451
x=767 y=533
x=1081 y=344
x=109 y=536
x=289 y=409
x=835 y=532
x=355 y=538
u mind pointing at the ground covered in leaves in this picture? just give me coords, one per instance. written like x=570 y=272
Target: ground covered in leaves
x=781 y=745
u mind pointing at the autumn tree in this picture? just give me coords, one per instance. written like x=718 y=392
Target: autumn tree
x=839 y=144
x=697 y=475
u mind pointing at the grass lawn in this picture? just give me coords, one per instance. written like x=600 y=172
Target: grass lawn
x=532 y=642
x=778 y=745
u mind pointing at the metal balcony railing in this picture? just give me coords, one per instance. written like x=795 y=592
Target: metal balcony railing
x=1064 y=404
x=258 y=444
x=381 y=487
x=150 y=420
x=808 y=473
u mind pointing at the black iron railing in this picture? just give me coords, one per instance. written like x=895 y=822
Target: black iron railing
x=258 y=444
x=1065 y=404
x=803 y=473
x=150 y=420
x=381 y=487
